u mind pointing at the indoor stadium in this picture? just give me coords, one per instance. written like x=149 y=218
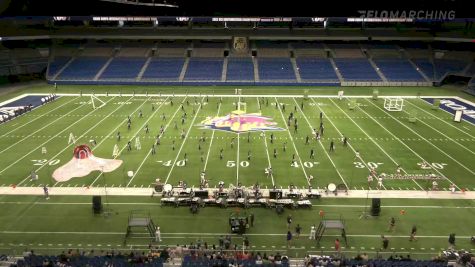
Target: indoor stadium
x=237 y=133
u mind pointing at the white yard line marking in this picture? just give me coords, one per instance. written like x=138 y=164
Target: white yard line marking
x=33 y=150
x=38 y=117
x=209 y=234
x=432 y=144
x=237 y=160
x=321 y=145
x=409 y=148
x=292 y=139
x=450 y=139
x=237 y=150
x=211 y=142
x=267 y=148
x=372 y=139
x=150 y=150
x=136 y=133
x=81 y=136
x=440 y=118
x=183 y=143
x=45 y=126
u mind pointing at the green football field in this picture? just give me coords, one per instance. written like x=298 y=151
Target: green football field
x=383 y=140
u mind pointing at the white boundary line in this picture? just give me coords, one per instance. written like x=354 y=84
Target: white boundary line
x=33 y=150
x=83 y=134
x=38 y=130
x=440 y=118
x=207 y=234
x=256 y=95
x=184 y=141
x=8 y=101
x=89 y=129
x=150 y=150
x=450 y=139
x=293 y=143
x=414 y=152
x=432 y=144
x=39 y=117
x=372 y=140
x=321 y=145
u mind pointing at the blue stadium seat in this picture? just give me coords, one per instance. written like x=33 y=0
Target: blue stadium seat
x=316 y=69
x=123 y=68
x=164 y=68
x=357 y=70
x=204 y=69
x=440 y=67
x=240 y=69
x=57 y=64
x=276 y=69
x=397 y=70
x=83 y=68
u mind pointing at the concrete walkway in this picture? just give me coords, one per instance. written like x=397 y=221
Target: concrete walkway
x=117 y=191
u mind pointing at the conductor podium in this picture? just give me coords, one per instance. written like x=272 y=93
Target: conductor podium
x=139 y=220
x=331 y=223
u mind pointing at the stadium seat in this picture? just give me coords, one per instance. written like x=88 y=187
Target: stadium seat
x=276 y=69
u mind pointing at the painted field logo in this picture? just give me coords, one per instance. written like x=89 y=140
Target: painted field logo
x=83 y=163
x=239 y=122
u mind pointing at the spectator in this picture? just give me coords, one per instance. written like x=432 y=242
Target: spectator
x=158 y=237
x=289 y=238
x=298 y=229
x=337 y=246
x=413 y=233
x=385 y=242
x=452 y=241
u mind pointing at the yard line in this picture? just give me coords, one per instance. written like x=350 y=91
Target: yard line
x=267 y=148
x=372 y=140
x=443 y=152
x=184 y=141
x=90 y=129
x=207 y=234
x=323 y=148
x=414 y=152
x=150 y=150
x=292 y=139
x=39 y=117
x=136 y=133
x=451 y=139
x=45 y=126
x=211 y=142
x=440 y=118
x=237 y=150
x=115 y=129
x=237 y=160
x=34 y=149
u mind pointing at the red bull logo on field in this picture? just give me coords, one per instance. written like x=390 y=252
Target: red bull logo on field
x=240 y=123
